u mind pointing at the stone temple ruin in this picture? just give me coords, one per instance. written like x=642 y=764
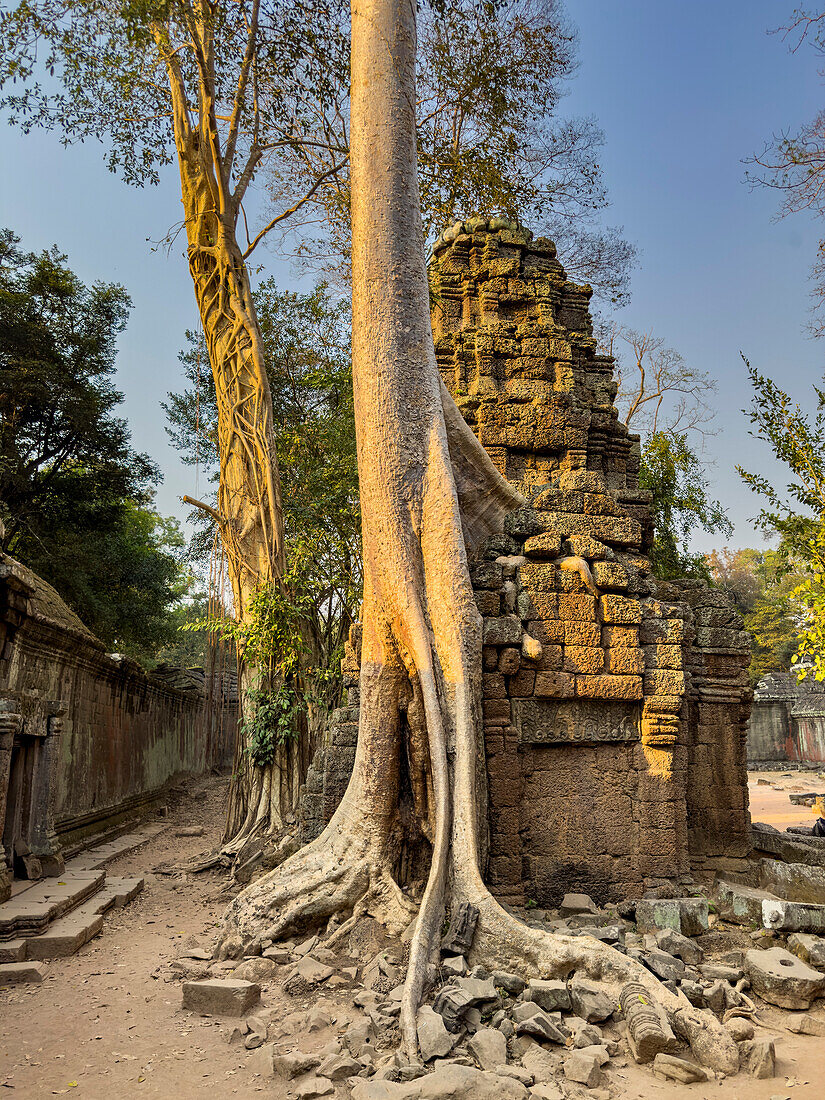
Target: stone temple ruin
x=615 y=705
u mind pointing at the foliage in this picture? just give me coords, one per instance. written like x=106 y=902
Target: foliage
x=796 y=439
x=681 y=505
x=762 y=587
x=270 y=720
x=793 y=162
x=74 y=497
x=306 y=341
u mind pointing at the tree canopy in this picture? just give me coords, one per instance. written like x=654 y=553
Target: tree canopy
x=75 y=497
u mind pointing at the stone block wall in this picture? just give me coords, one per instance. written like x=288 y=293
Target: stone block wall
x=95 y=735
x=787 y=723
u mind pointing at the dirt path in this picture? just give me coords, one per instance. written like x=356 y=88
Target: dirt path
x=105 y=1026
x=101 y=1026
x=769 y=800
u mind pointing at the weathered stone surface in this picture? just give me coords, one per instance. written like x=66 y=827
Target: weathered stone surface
x=489 y=1048
x=648 y=1031
x=590 y=1000
x=452 y=1082
x=811 y=949
x=550 y=995
x=686 y=915
x=782 y=979
x=434 y=1040
x=670 y=1068
x=312 y=1087
x=293 y=1063
x=513 y=984
x=259 y=969
x=805 y=1024
x=582 y=1068
x=577 y=903
x=743 y=903
x=668 y=939
x=758 y=1057
x=338 y=1067
x=459 y=937
x=793 y=916
x=537 y=1023
x=451 y=1003
x=20 y=972
x=221 y=996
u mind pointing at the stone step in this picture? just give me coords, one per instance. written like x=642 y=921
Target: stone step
x=29 y=913
x=65 y=936
x=21 y=972
x=94 y=859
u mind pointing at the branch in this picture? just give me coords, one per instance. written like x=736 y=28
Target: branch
x=295 y=207
x=213 y=512
x=243 y=79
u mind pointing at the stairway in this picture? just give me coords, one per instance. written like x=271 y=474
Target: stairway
x=54 y=917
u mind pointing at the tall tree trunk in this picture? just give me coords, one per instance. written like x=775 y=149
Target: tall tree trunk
x=262 y=798
x=428 y=492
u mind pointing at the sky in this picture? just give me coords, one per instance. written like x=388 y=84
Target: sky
x=684 y=93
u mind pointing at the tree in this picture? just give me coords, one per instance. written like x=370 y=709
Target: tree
x=74 y=496
x=667 y=401
x=761 y=587
x=491 y=75
x=307 y=353
x=673 y=473
x=426 y=486
x=797 y=441
x=793 y=161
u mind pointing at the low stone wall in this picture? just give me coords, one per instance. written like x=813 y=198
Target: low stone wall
x=787 y=723
x=86 y=737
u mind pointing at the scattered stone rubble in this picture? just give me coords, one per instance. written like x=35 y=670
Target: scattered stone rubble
x=507 y=1035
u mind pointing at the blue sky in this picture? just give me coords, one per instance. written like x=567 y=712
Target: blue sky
x=683 y=91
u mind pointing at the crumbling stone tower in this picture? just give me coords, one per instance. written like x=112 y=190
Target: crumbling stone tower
x=615 y=705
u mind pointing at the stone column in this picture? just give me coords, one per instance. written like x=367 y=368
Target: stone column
x=43 y=836
x=10 y=725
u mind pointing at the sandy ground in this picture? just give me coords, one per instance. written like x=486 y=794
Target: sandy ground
x=769 y=798
x=104 y=1026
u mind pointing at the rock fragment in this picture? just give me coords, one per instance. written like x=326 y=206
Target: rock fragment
x=670 y=1068
x=221 y=996
x=582 y=1068
x=758 y=1057
x=783 y=979
x=489 y=1048
x=434 y=1040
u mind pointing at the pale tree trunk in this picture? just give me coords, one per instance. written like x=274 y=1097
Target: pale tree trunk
x=428 y=492
x=263 y=799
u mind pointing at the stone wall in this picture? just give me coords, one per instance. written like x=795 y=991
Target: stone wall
x=614 y=706
x=86 y=737
x=787 y=724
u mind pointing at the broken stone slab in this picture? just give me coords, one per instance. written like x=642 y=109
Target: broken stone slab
x=489 y=1048
x=13 y=950
x=782 y=979
x=307 y=971
x=546 y=1092
x=590 y=1000
x=743 y=904
x=512 y=984
x=537 y=1023
x=794 y=881
x=453 y=1082
x=670 y=1068
x=668 y=939
x=758 y=1057
x=663 y=965
x=292 y=1063
x=221 y=996
x=259 y=969
x=312 y=1087
x=552 y=996
x=543 y=1066
x=793 y=916
x=481 y=991
x=459 y=937
x=455 y=966
x=811 y=949
x=712 y=972
x=19 y=972
x=805 y=1024
x=577 y=903
x=582 y=1068
x=686 y=915
x=434 y=1040
x=338 y=1067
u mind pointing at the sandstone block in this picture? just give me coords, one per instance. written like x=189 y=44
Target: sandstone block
x=686 y=915
x=578 y=633
x=793 y=916
x=584 y=659
x=782 y=979
x=663 y=656
x=582 y=1068
x=664 y=682
x=552 y=996
x=590 y=1000
x=13 y=951
x=554 y=685
x=489 y=1048
x=18 y=972
x=608 y=686
x=743 y=903
x=758 y=1057
x=655 y=631
x=586 y=547
x=811 y=949
x=543 y=547
x=505 y=630
x=537 y=576
x=221 y=996
x=620 y=609
x=577 y=606
x=434 y=1040
x=805 y=1024
x=625 y=662
x=611 y=575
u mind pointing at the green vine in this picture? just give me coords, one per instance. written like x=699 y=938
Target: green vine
x=271 y=720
